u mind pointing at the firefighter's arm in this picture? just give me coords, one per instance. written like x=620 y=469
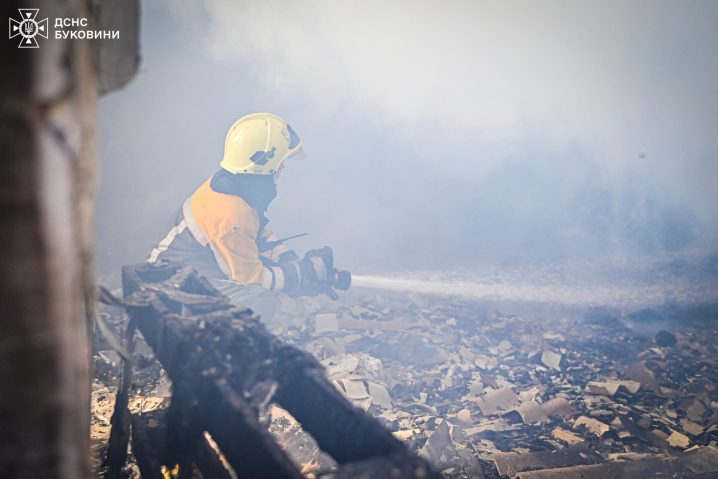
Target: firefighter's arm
x=238 y=249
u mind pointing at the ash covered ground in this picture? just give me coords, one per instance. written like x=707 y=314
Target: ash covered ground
x=558 y=390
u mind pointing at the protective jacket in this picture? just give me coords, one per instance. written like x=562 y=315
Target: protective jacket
x=217 y=233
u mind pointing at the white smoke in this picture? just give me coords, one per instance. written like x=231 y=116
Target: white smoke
x=439 y=133
x=633 y=82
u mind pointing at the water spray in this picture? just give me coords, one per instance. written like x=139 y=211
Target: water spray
x=588 y=291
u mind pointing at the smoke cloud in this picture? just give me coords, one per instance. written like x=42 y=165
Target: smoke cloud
x=631 y=81
x=440 y=134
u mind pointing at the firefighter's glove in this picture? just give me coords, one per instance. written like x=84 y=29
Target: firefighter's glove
x=310 y=276
x=322 y=264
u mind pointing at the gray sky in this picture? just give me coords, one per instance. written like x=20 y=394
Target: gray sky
x=439 y=134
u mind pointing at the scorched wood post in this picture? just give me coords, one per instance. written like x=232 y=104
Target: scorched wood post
x=48 y=99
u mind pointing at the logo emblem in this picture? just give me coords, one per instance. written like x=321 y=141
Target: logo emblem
x=262 y=157
x=28 y=28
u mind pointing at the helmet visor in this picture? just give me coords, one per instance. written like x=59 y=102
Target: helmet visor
x=295 y=146
x=297 y=154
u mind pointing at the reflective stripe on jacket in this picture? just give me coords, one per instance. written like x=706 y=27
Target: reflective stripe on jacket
x=217 y=233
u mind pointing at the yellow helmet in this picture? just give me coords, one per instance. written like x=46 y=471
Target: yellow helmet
x=257 y=144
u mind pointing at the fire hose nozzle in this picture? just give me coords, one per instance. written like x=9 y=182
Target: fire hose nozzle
x=342 y=280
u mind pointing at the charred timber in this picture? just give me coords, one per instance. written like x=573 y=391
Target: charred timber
x=226 y=369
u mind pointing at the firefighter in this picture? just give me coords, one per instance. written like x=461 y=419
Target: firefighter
x=221 y=228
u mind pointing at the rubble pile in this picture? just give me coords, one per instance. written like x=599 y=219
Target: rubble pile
x=481 y=394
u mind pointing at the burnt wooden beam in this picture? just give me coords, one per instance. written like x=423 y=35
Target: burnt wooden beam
x=148 y=446
x=120 y=420
x=233 y=424
x=226 y=367
x=209 y=462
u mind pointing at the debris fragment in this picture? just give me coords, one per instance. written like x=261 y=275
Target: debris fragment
x=338 y=367
x=692 y=428
x=457 y=434
x=701 y=460
x=379 y=395
x=639 y=373
x=497 y=401
x=636 y=427
x=140 y=404
x=557 y=407
x=531 y=412
x=485 y=362
x=405 y=434
x=470 y=463
x=511 y=463
x=495 y=425
x=612 y=387
x=616 y=470
x=676 y=439
x=693 y=408
x=551 y=359
x=350 y=323
x=439 y=448
x=553 y=336
x=529 y=395
x=324 y=323
x=110 y=356
x=665 y=339
x=355 y=389
x=570 y=438
x=592 y=425
x=276 y=413
x=505 y=346
x=466 y=354
x=464 y=416
x=413 y=350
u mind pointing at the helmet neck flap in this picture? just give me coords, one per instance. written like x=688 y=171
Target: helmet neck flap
x=257 y=190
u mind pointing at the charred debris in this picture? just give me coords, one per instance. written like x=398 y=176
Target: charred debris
x=395 y=386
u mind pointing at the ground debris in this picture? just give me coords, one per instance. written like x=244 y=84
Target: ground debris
x=612 y=387
x=551 y=359
x=510 y=464
x=616 y=470
x=471 y=389
x=568 y=437
x=700 y=459
x=496 y=401
x=592 y=425
x=639 y=373
x=665 y=339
